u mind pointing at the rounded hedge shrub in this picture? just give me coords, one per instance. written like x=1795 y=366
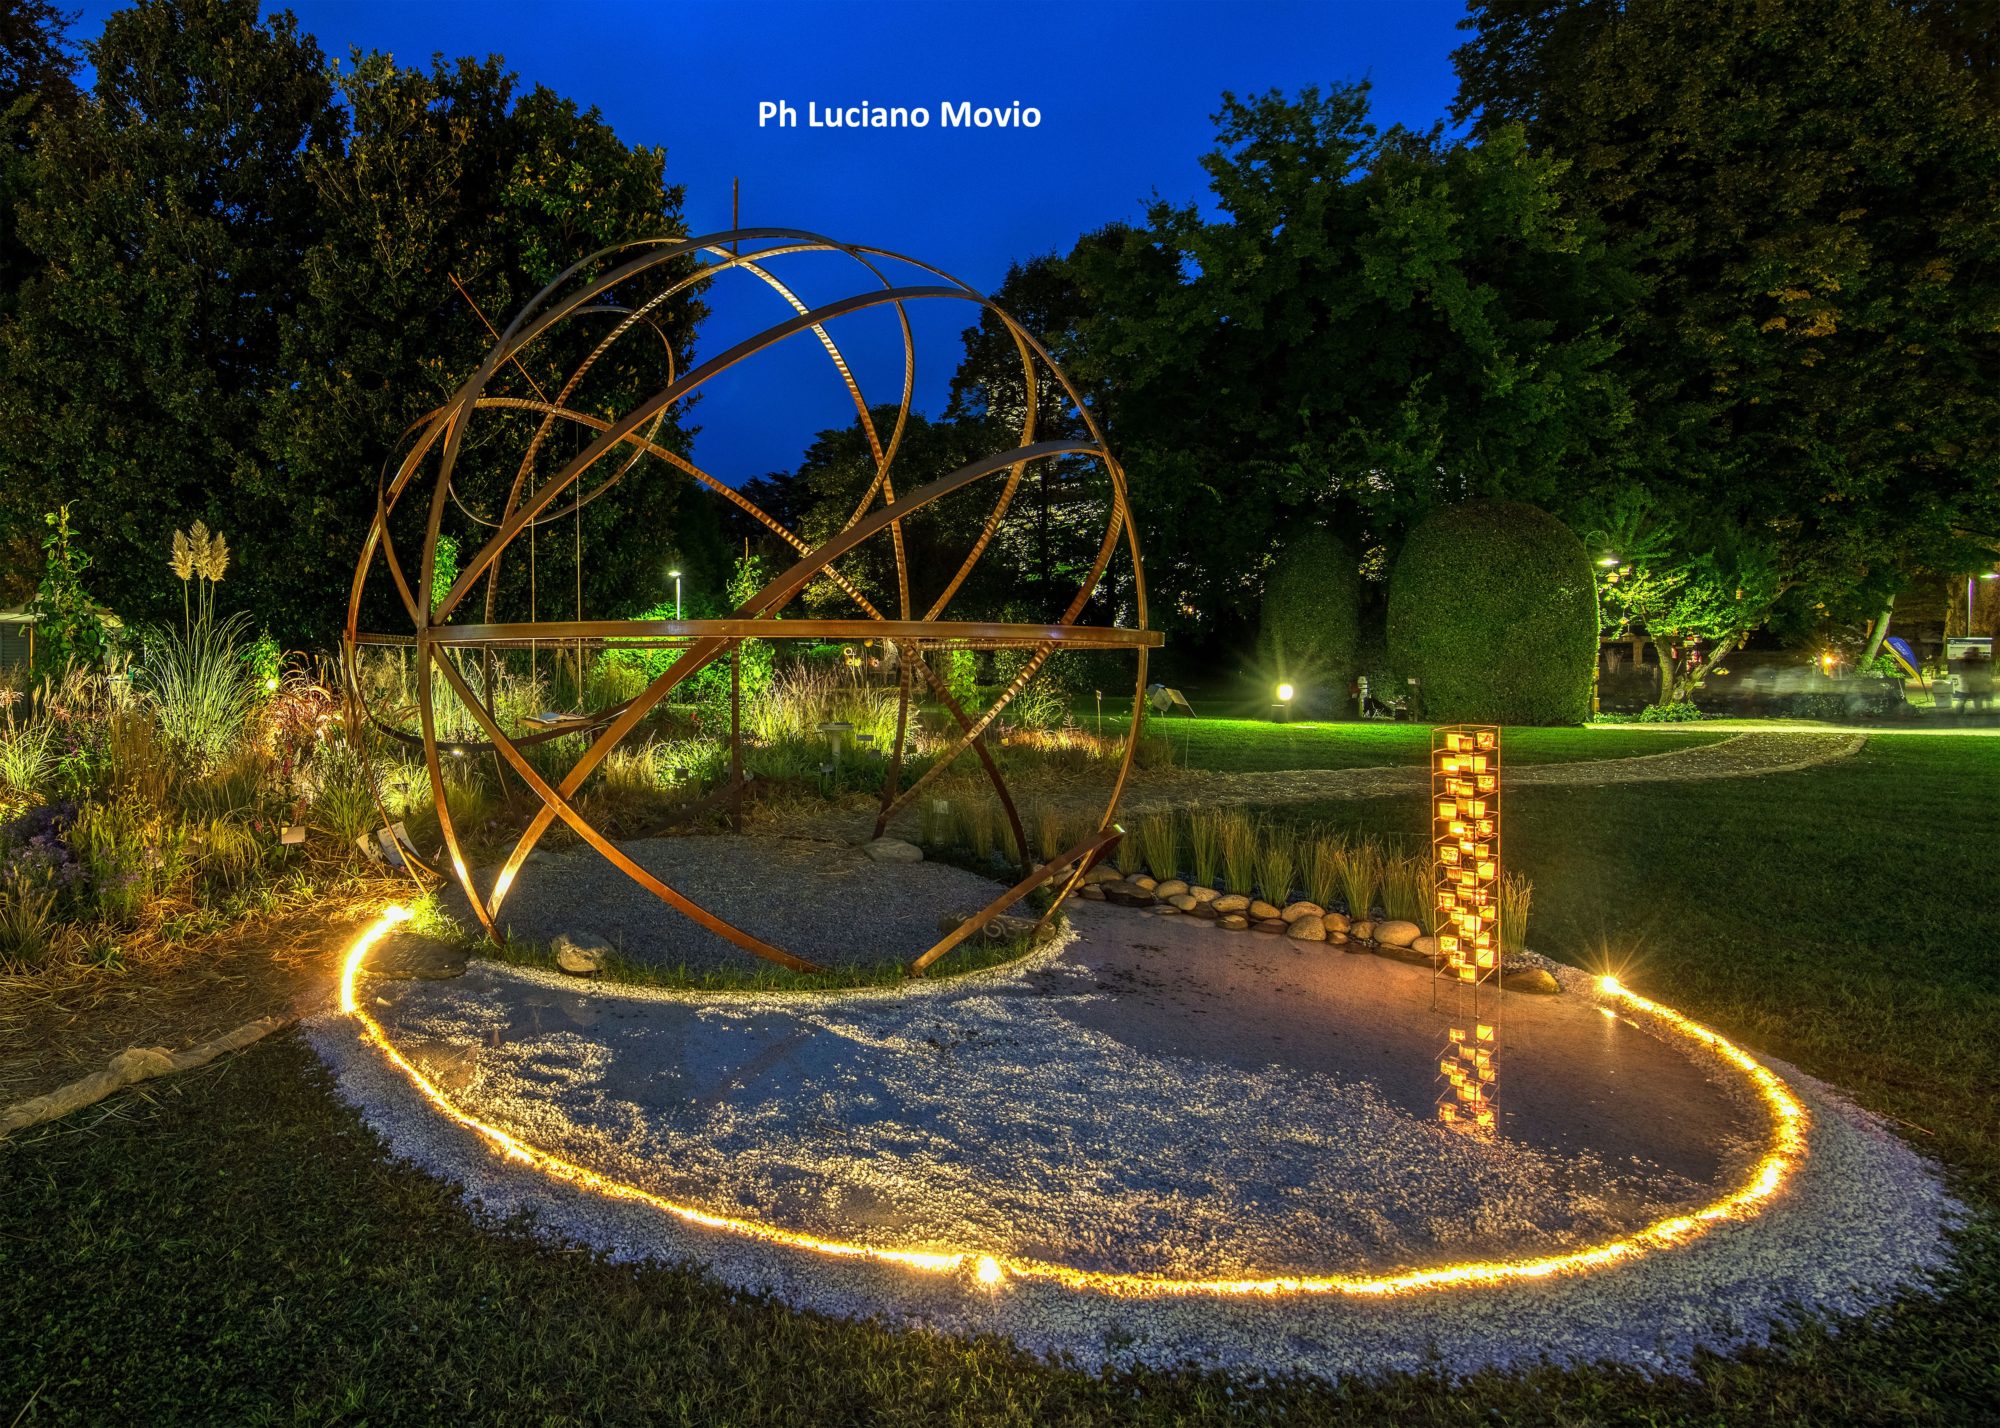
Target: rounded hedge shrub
x=1312 y=620
x=1493 y=609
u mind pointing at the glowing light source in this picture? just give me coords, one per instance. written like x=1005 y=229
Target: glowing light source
x=1285 y=693
x=1787 y=1149
x=1465 y=923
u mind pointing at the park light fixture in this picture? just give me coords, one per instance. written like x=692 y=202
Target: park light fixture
x=677 y=592
x=1609 y=561
x=1285 y=693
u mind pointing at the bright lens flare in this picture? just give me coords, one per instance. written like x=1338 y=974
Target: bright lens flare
x=1787 y=1150
x=1285 y=693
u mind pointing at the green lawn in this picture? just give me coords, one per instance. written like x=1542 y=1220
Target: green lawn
x=1245 y=744
x=235 y=1247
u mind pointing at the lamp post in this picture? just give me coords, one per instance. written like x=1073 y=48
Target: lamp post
x=677 y=592
x=1284 y=706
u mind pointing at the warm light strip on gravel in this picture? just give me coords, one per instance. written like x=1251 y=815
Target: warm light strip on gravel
x=989 y=1271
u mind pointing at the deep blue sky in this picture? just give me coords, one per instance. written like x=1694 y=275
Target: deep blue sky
x=1125 y=91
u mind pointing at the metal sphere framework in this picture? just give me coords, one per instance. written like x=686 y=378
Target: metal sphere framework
x=603 y=315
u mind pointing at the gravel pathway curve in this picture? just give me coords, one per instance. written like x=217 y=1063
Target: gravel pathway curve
x=1156 y=1098
x=1745 y=756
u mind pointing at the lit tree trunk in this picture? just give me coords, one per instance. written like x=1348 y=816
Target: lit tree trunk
x=1879 y=633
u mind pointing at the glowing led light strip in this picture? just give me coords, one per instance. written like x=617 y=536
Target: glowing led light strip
x=1789 y=1121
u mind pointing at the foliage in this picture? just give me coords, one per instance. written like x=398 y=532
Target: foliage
x=1492 y=608
x=1517 y=897
x=131 y=855
x=27 y=756
x=341 y=202
x=1804 y=193
x=958 y=670
x=1697 y=588
x=1681 y=713
x=1312 y=620
x=68 y=629
x=1322 y=867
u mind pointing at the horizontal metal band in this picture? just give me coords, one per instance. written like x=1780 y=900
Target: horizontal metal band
x=910 y=631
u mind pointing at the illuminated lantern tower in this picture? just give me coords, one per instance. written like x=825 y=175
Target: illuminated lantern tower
x=1465 y=965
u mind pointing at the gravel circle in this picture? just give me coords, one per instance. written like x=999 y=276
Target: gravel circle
x=822 y=899
x=1031 y=1048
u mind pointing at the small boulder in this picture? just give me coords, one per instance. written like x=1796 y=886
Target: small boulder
x=1535 y=981
x=1426 y=945
x=1205 y=911
x=1294 y=911
x=581 y=954
x=1183 y=902
x=1202 y=894
x=1170 y=889
x=1397 y=933
x=1308 y=927
x=1234 y=921
x=1102 y=873
x=1140 y=880
x=1363 y=931
x=1229 y=903
x=893 y=850
x=1269 y=924
x=1332 y=935
x=1127 y=894
x=1335 y=921
x=1164 y=909
x=1263 y=911
x=1091 y=892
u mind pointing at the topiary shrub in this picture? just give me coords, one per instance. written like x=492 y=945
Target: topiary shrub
x=1312 y=621
x=1493 y=609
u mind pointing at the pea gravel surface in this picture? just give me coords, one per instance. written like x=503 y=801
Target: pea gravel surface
x=1158 y=1096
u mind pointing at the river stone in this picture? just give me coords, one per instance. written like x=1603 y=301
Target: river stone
x=1294 y=911
x=1229 y=903
x=1234 y=921
x=1091 y=891
x=1102 y=873
x=1533 y=980
x=1127 y=894
x=1140 y=880
x=1263 y=911
x=1335 y=921
x=1205 y=911
x=1269 y=924
x=1397 y=933
x=581 y=954
x=1170 y=889
x=893 y=850
x=1183 y=902
x=1306 y=928
x=1202 y=894
x=1426 y=945
x=1364 y=930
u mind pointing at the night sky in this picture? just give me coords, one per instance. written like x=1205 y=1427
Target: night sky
x=1125 y=91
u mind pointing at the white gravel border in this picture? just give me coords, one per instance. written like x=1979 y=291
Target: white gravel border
x=1863 y=1218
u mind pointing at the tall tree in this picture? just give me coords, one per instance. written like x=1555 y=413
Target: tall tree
x=1806 y=191
x=169 y=215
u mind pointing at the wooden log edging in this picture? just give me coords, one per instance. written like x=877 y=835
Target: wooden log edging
x=129 y=1067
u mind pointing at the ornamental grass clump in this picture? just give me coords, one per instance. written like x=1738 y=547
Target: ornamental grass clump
x=1324 y=866
x=1239 y=852
x=938 y=823
x=1277 y=865
x=1360 y=875
x=1159 y=837
x=1406 y=889
x=1049 y=831
x=196 y=681
x=27 y=756
x=1516 y=895
x=975 y=821
x=1205 y=847
x=27 y=921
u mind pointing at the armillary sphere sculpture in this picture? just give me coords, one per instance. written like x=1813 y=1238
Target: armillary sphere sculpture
x=533 y=453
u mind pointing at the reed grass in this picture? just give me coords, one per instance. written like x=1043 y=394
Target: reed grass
x=1051 y=832
x=1239 y=851
x=1406 y=889
x=1159 y=837
x=1205 y=847
x=1277 y=864
x=1517 y=894
x=1360 y=876
x=975 y=822
x=1325 y=865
